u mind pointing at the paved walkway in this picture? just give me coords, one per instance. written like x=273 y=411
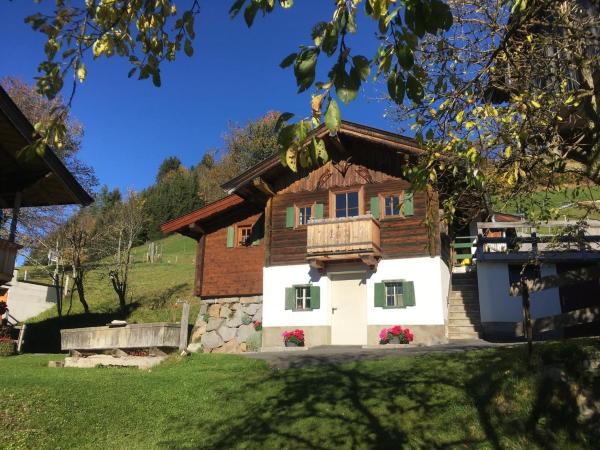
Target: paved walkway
x=336 y=354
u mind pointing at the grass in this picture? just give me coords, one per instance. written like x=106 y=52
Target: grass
x=153 y=294
x=483 y=399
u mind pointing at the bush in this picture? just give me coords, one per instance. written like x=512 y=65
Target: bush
x=246 y=319
x=254 y=342
x=7 y=347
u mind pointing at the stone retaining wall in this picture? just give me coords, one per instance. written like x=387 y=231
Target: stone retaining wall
x=227 y=325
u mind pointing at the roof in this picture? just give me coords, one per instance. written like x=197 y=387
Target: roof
x=395 y=141
x=42 y=178
x=206 y=212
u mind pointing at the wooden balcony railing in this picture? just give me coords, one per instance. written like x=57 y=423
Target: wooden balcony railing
x=8 y=256
x=343 y=239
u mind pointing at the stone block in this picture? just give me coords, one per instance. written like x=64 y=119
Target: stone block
x=235 y=320
x=235 y=306
x=214 y=310
x=226 y=332
x=225 y=312
x=211 y=340
x=195 y=347
x=251 y=308
x=214 y=323
x=198 y=331
x=253 y=299
x=244 y=331
x=258 y=315
x=203 y=309
x=243 y=347
x=232 y=346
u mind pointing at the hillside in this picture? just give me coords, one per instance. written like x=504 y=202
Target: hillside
x=154 y=290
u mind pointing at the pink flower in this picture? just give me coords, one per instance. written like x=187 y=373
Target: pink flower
x=383 y=334
x=396 y=330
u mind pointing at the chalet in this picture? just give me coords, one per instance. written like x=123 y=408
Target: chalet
x=340 y=250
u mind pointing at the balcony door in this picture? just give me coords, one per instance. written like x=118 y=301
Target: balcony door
x=349 y=309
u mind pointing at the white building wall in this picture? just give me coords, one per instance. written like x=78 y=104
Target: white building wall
x=431 y=279
x=27 y=300
x=497 y=305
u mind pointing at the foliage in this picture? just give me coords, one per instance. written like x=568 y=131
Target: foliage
x=396 y=332
x=170 y=164
x=510 y=107
x=246 y=319
x=474 y=399
x=254 y=341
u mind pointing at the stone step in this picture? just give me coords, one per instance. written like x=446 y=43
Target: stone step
x=473 y=303
x=471 y=316
x=463 y=328
x=464 y=295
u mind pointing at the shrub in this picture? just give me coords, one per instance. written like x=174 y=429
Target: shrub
x=254 y=342
x=257 y=325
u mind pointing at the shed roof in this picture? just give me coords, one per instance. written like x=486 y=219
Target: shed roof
x=42 y=178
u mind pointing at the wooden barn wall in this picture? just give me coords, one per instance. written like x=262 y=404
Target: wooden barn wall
x=400 y=237
x=231 y=271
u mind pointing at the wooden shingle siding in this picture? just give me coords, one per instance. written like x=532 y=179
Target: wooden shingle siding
x=232 y=271
x=400 y=237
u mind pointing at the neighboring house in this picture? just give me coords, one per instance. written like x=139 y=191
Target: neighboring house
x=28 y=179
x=340 y=250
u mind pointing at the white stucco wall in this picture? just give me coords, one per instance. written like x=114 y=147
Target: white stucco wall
x=497 y=305
x=430 y=276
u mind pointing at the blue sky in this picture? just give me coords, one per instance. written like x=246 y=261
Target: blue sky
x=234 y=75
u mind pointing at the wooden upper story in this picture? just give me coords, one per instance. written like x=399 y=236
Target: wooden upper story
x=356 y=207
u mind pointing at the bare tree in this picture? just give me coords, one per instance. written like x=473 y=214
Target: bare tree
x=125 y=226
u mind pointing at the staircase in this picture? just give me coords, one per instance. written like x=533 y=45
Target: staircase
x=464 y=319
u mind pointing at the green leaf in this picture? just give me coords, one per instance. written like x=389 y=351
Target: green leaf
x=347 y=88
x=286 y=136
x=414 y=90
x=250 y=13
x=304 y=68
x=405 y=57
x=236 y=8
x=320 y=150
x=362 y=66
x=283 y=118
x=332 y=117
x=286 y=3
x=187 y=48
x=396 y=87
x=288 y=60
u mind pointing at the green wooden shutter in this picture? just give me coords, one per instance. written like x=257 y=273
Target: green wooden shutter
x=409 y=208
x=408 y=293
x=290 y=298
x=318 y=213
x=375 y=207
x=315 y=297
x=290 y=217
x=230 y=236
x=379 y=295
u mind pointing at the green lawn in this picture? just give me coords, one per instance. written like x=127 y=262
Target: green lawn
x=482 y=399
x=153 y=294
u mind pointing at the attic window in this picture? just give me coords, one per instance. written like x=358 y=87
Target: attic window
x=243 y=235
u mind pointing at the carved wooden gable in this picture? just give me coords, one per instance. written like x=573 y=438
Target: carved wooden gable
x=336 y=174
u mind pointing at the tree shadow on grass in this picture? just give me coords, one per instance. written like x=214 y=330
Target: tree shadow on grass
x=422 y=402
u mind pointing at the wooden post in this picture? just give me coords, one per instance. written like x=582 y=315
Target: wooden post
x=15 y=217
x=527 y=316
x=183 y=334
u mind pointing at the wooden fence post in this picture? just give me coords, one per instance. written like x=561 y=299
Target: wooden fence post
x=183 y=333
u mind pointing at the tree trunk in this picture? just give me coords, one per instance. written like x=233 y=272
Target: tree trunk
x=81 y=292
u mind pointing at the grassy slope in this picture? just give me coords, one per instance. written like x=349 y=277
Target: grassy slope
x=484 y=399
x=154 y=291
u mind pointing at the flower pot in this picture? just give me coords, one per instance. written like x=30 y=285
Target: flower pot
x=394 y=340
x=293 y=344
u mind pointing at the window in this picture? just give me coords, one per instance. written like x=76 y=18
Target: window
x=394 y=294
x=392 y=205
x=347 y=204
x=304 y=215
x=243 y=235
x=302 y=297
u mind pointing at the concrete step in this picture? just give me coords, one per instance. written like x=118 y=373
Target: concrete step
x=471 y=316
x=462 y=308
x=472 y=303
x=464 y=322
x=463 y=328
x=463 y=336
x=465 y=295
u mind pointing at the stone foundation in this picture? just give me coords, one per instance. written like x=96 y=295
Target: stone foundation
x=423 y=334
x=227 y=325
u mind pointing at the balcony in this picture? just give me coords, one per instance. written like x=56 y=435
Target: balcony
x=8 y=255
x=343 y=239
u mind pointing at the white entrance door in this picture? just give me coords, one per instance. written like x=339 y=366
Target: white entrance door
x=349 y=309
